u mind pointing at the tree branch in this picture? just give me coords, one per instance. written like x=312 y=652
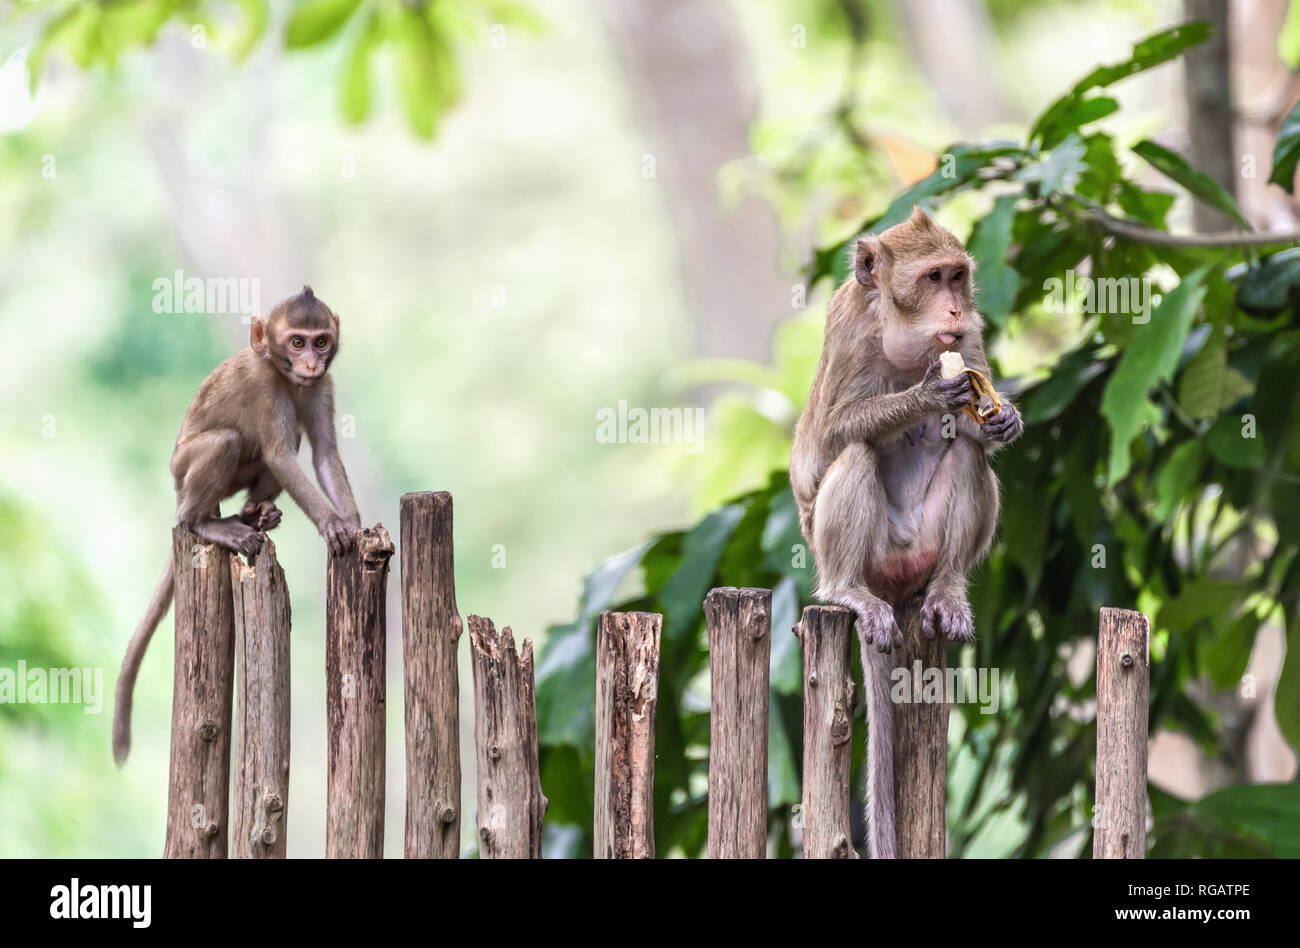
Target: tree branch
x=1142 y=234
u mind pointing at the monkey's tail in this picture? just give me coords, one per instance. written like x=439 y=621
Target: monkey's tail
x=162 y=598
x=881 y=839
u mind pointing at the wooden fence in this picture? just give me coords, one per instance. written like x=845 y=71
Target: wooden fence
x=233 y=621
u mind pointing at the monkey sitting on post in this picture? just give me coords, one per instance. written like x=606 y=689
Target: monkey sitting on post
x=242 y=432
x=891 y=478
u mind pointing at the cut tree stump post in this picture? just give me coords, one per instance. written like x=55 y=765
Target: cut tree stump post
x=740 y=640
x=355 y=658
x=199 y=776
x=825 y=635
x=431 y=630
x=262 y=622
x=511 y=806
x=627 y=690
x=1123 y=687
x=921 y=743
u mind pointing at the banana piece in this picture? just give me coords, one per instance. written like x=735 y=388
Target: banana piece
x=984 y=403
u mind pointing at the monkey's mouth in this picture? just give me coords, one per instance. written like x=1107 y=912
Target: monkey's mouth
x=948 y=338
x=306 y=380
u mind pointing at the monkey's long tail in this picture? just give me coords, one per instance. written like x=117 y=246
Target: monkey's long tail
x=162 y=598
x=881 y=840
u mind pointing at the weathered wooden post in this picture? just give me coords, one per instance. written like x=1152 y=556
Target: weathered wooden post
x=825 y=635
x=740 y=624
x=431 y=630
x=262 y=622
x=627 y=692
x=355 y=659
x=920 y=743
x=511 y=806
x=1123 y=688
x=199 y=775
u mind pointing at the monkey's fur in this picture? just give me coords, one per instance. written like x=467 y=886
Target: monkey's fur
x=242 y=432
x=892 y=480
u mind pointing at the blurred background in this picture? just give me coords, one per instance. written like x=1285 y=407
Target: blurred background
x=524 y=213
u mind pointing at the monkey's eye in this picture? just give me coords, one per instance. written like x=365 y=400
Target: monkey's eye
x=322 y=342
x=958 y=276
x=297 y=342
x=934 y=276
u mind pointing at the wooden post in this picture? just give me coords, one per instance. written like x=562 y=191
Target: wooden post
x=431 y=630
x=920 y=744
x=825 y=635
x=354 y=687
x=262 y=622
x=199 y=778
x=627 y=692
x=1123 y=686
x=510 y=801
x=740 y=625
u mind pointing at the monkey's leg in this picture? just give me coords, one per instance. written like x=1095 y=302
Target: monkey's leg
x=259 y=512
x=204 y=467
x=847 y=534
x=962 y=504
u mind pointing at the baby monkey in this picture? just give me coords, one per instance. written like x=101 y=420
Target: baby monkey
x=891 y=477
x=242 y=432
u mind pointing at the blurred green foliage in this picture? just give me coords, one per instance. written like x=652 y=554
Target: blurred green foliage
x=1157 y=471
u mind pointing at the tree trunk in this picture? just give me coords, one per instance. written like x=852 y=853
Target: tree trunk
x=431 y=630
x=627 y=685
x=355 y=659
x=1123 y=686
x=1208 y=94
x=740 y=640
x=825 y=635
x=199 y=777
x=511 y=806
x=262 y=623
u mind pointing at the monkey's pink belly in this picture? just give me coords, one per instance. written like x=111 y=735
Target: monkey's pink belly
x=901 y=575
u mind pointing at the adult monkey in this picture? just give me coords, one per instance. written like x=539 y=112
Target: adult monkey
x=892 y=480
x=242 y=432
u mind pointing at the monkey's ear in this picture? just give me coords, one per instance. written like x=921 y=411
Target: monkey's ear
x=868 y=260
x=257 y=336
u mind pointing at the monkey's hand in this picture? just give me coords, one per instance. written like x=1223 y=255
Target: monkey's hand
x=1005 y=426
x=262 y=516
x=339 y=534
x=950 y=395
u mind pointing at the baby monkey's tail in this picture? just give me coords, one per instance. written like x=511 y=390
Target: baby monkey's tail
x=162 y=598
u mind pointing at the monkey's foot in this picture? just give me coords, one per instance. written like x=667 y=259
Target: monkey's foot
x=262 y=516
x=949 y=616
x=876 y=622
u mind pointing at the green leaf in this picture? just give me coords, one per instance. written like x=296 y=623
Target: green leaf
x=257 y=13
x=1272 y=286
x=355 y=91
x=1147 y=53
x=1233 y=440
x=1054 y=394
x=314 y=21
x=1176 y=477
x=1199 y=184
x=989 y=244
x=1286 y=152
x=1286 y=704
x=1148 y=360
x=1060 y=171
x=1288 y=38
x=426 y=75
x=1074 y=114
x=1208 y=384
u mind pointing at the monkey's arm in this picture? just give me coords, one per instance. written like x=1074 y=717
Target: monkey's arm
x=330 y=472
x=880 y=417
x=282 y=460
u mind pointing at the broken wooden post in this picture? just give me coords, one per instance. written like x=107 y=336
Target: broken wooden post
x=431 y=630
x=510 y=801
x=739 y=623
x=199 y=776
x=825 y=636
x=1123 y=687
x=262 y=621
x=627 y=688
x=354 y=686
x=920 y=742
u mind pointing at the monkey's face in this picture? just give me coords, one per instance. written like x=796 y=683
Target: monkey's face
x=303 y=355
